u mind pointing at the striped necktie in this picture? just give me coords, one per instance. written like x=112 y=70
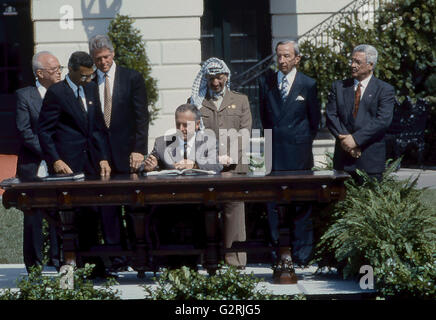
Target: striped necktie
x=107 y=101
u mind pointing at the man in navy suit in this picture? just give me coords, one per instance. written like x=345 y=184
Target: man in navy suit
x=289 y=107
x=359 y=111
x=47 y=71
x=124 y=106
x=71 y=128
x=73 y=136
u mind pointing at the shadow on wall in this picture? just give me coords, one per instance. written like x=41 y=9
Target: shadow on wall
x=94 y=10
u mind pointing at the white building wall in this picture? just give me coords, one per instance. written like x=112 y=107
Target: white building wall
x=170 y=28
x=292 y=18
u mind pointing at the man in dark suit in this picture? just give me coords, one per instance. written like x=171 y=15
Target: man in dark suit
x=290 y=108
x=359 y=111
x=47 y=71
x=73 y=136
x=124 y=105
x=71 y=128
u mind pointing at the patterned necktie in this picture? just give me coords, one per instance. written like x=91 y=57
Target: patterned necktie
x=107 y=101
x=357 y=95
x=79 y=98
x=284 y=88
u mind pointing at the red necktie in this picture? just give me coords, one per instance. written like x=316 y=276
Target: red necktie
x=357 y=95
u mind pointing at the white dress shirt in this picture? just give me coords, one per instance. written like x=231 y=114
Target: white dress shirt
x=81 y=91
x=42 y=90
x=290 y=77
x=363 y=85
x=190 y=145
x=111 y=77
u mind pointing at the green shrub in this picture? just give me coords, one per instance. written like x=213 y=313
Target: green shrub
x=385 y=225
x=227 y=284
x=130 y=53
x=39 y=287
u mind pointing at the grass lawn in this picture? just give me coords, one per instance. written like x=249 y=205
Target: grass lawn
x=11 y=236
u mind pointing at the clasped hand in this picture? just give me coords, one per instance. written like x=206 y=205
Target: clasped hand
x=349 y=145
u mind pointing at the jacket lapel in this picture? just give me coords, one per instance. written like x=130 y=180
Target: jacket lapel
x=115 y=90
x=349 y=99
x=75 y=109
x=295 y=90
x=275 y=95
x=36 y=97
x=227 y=100
x=368 y=95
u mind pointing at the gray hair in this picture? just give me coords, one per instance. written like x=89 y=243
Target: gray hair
x=294 y=43
x=189 y=107
x=36 y=64
x=370 y=53
x=100 y=41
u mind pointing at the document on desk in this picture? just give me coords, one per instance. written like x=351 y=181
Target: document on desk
x=184 y=172
x=64 y=177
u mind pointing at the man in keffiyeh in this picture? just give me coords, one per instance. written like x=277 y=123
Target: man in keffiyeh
x=222 y=108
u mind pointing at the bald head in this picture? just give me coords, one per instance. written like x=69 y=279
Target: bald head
x=46 y=68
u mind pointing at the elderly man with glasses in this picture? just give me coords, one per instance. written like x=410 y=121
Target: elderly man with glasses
x=47 y=71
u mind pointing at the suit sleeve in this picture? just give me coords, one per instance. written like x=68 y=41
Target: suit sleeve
x=48 y=118
x=24 y=126
x=314 y=110
x=383 y=119
x=333 y=122
x=140 y=105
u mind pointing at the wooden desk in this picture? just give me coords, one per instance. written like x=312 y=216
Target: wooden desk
x=138 y=191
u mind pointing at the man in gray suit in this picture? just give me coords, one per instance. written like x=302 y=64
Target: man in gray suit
x=187 y=149
x=47 y=71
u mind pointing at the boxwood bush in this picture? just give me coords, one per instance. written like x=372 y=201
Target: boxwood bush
x=37 y=286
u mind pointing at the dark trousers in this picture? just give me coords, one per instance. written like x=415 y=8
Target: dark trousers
x=301 y=230
x=33 y=240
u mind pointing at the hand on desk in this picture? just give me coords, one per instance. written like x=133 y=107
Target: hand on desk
x=61 y=167
x=225 y=160
x=135 y=160
x=184 y=164
x=105 y=169
x=150 y=163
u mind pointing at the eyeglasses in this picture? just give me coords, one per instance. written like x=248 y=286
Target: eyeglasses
x=86 y=77
x=54 y=70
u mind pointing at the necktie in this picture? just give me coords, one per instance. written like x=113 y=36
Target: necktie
x=357 y=95
x=107 y=101
x=284 y=88
x=80 y=99
x=185 y=150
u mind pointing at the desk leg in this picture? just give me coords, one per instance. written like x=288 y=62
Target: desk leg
x=140 y=224
x=284 y=272
x=212 y=239
x=69 y=236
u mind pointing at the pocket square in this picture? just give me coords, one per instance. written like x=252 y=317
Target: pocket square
x=300 y=98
